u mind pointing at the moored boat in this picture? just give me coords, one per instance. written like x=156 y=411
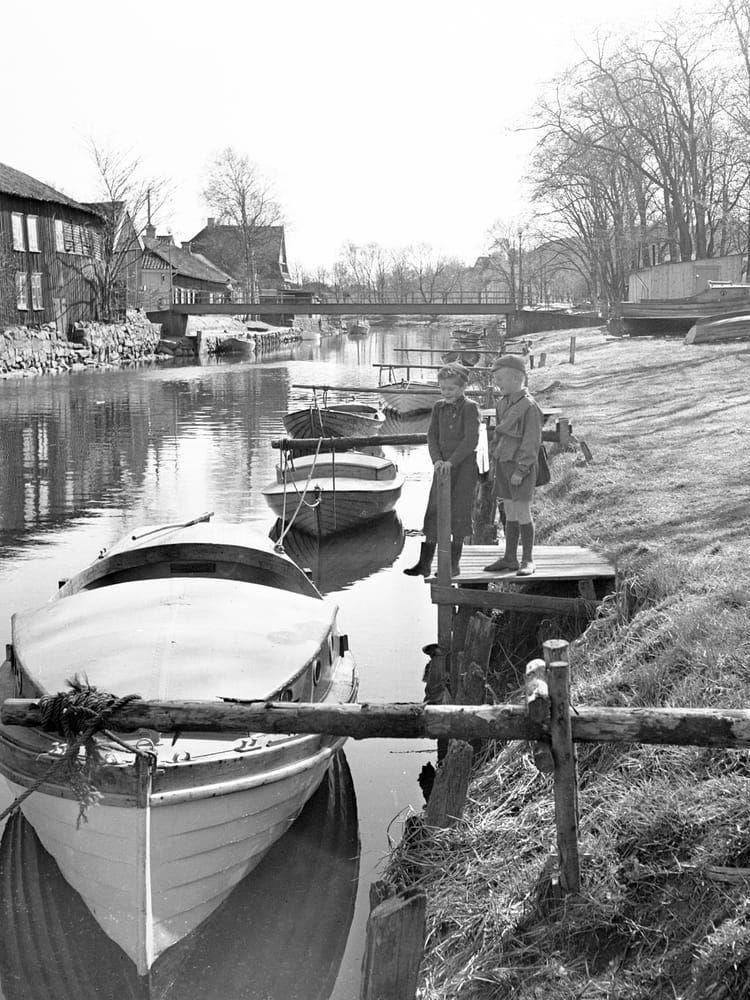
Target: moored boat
x=244 y=346
x=326 y=493
x=334 y=420
x=359 y=327
x=185 y=612
x=404 y=398
x=281 y=932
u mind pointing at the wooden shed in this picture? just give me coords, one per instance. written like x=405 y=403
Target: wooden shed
x=48 y=242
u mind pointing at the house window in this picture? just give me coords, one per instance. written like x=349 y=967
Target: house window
x=22 y=290
x=36 y=291
x=60 y=235
x=32 y=227
x=19 y=243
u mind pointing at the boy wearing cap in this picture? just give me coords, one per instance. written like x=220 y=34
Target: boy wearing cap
x=515 y=448
x=452 y=441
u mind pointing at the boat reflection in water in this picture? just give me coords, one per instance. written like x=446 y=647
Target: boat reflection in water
x=337 y=561
x=280 y=935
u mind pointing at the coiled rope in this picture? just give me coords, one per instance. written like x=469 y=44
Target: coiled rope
x=76 y=716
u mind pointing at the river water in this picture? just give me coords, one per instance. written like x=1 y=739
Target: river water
x=84 y=458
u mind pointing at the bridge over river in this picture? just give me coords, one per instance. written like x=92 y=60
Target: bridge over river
x=518 y=322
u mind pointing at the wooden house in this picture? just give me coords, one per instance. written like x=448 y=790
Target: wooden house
x=223 y=245
x=47 y=244
x=169 y=273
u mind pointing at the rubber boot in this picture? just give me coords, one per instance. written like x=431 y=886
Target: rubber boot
x=510 y=559
x=527 y=566
x=456 y=550
x=423 y=566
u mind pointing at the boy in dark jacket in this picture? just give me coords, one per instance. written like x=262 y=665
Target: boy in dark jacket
x=515 y=448
x=452 y=440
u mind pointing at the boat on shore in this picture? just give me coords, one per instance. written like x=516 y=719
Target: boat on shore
x=197 y=611
x=327 y=493
x=281 y=933
x=334 y=420
x=358 y=327
x=714 y=329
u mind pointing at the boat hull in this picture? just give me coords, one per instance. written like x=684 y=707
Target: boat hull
x=356 y=421
x=351 y=508
x=199 y=851
x=405 y=400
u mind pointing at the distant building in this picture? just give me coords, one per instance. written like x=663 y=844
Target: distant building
x=47 y=245
x=223 y=246
x=170 y=273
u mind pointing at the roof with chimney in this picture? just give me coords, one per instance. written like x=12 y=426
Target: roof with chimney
x=20 y=185
x=223 y=245
x=160 y=253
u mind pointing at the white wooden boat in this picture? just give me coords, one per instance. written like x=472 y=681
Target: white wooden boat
x=331 y=492
x=280 y=934
x=188 y=613
x=358 y=327
x=335 y=420
x=244 y=346
x=715 y=329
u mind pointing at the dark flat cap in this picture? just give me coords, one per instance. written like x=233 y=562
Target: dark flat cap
x=510 y=361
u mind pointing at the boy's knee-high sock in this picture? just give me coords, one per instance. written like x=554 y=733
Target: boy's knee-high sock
x=511 y=539
x=527 y=541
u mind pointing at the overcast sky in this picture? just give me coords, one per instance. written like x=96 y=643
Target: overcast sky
x=393 y=121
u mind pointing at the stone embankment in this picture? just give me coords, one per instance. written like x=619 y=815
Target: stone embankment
x=43 y=350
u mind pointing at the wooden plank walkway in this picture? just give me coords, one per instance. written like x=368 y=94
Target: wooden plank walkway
x=553 y=562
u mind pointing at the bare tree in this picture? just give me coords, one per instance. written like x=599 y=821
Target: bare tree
x=239 y=194
x=127 y=201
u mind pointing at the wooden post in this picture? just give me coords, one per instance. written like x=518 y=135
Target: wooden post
x=445 y=612
x=563 y=755
x=538 y=710
x=572 y=357
x=542 y=359
x=563 y=433
x=448 y=795
x=394 y=947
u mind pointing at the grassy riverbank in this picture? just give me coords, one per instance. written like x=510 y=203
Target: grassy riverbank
x=665 y=832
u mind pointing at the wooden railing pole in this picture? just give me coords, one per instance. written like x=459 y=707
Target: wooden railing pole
x=563 y=755
x=572 y=356
x=445 y=611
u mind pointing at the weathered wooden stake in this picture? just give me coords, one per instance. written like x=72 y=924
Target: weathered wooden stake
x=538 y=710
x=394 y=947
x=563 y=433
x=572 y=357
x=563 y=754
x=448 y=795
x=542 y=359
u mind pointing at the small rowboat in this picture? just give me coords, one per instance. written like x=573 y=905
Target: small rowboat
x=244 y=346
x=336 y=420
x=358 y=328
x=404 y=398
x=327 y=493
x=184 y=612
x=280 y=934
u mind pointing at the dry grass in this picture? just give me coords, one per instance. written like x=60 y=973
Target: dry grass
x=659 y=916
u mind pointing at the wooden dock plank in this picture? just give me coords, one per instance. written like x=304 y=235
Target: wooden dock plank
x=553 y=562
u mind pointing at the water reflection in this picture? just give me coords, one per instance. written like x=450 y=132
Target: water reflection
x=337 y=561
x=280 y=935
